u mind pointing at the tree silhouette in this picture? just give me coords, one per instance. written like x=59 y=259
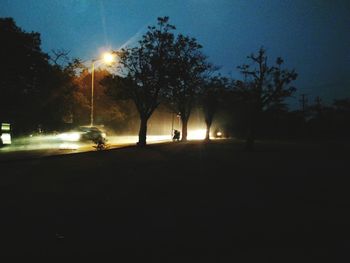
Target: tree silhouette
x=213 y=92
x=25 y=72
x=107 y=111
x=145 y=71
x=263 y=86
x=187 y=77
x=36 y=89
x=63 y=98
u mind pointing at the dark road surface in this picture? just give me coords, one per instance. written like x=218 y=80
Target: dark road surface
x=181 y=202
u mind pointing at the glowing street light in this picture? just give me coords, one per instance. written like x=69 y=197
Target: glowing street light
x=107 y=58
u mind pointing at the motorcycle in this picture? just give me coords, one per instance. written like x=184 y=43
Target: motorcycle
x=100 y=144
x=176 y=136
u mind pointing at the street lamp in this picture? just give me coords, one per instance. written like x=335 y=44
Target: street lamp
x=178 y=115
x=107 y=58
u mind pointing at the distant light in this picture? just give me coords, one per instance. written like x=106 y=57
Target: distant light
x=5 y=127
x=218 y=134
x=108 y=58
x=6 y=138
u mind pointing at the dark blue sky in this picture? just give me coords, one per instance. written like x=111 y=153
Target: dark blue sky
x=311 y=35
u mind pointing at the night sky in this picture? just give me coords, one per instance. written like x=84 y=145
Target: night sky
x=311 y=35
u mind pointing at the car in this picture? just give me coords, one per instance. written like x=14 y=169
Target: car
x=91 y=133
x=83 y=134
x=218 y=134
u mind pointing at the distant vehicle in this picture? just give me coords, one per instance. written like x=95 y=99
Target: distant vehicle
x=218 y=134
x=83 y=134
x=5 y=134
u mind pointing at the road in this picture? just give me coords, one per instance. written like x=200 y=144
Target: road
x=41 y=146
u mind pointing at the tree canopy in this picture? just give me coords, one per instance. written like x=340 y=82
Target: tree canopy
x=187 y=77
x=145 y=72
x=263 y=86
x=25 y=72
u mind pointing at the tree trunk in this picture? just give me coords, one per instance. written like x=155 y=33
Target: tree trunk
x=184 y=129
x=207 y=133
x=143 y=132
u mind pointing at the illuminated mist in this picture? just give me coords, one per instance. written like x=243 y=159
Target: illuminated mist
x=160 y=127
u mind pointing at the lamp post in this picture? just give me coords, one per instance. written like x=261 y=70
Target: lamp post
x=107 y=58
x=179 y=117
x=172 y=125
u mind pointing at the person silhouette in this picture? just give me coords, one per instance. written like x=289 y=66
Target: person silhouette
x=176 y=136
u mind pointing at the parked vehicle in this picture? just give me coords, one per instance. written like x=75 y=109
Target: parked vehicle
x=218 y=134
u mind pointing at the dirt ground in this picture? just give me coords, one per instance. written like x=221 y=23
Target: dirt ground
x=182 y=202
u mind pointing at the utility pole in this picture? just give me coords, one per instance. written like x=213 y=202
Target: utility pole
x=172 y=125
x=318 y=102
x=303 y=102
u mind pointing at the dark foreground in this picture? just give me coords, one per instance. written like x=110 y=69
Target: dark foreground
x=179 y=202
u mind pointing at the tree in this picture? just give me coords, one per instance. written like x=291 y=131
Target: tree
x=187 y=77
x=36 y=89
x=213 y=92
x=107 y=111
x=262 y=87
x=145 y=72
x=25 y=72
x=64 y=102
